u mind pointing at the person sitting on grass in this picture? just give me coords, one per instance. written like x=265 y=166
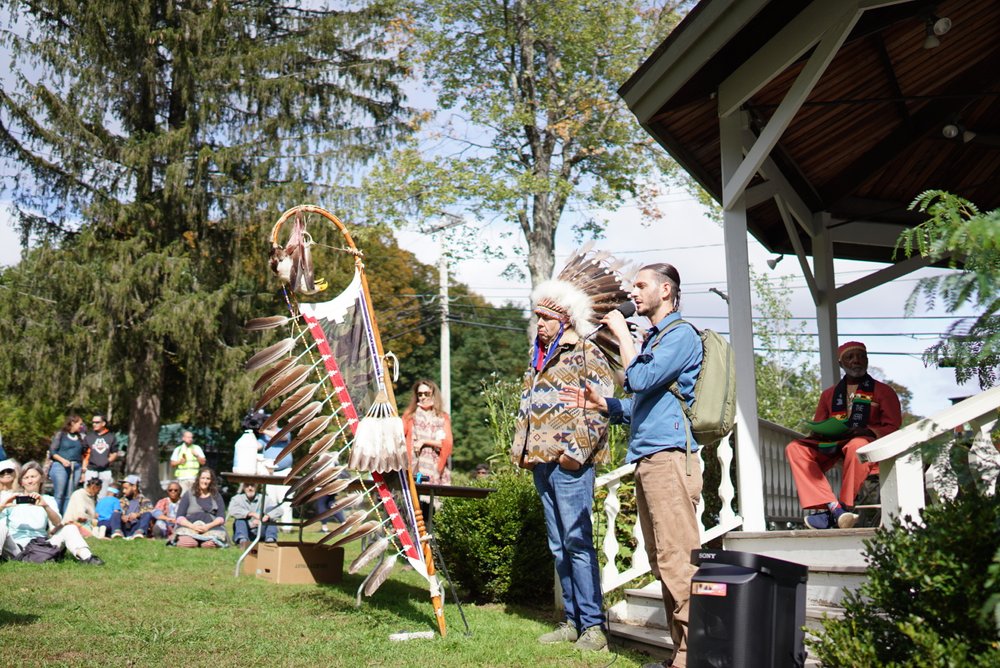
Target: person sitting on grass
x=27 y=519
x=137 y=510
x=109 y=514
x=82 y=507
x=246 y=520
x=201 y=515
x=165 y=511
x=9 y=471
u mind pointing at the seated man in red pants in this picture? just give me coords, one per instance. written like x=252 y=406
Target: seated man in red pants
x=870 y=410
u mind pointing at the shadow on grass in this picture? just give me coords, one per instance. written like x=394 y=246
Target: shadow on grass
x=8 y=618
x=396 y=598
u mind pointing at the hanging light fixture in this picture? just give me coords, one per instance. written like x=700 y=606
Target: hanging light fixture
x=773 y=262
x=935 y=27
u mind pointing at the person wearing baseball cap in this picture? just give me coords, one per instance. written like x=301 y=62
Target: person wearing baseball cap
x=851 y=414
x=137 y=510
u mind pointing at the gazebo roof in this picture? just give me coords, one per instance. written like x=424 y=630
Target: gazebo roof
x=871 y=134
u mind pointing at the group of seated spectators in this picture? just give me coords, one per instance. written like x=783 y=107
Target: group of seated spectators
x=193 y=518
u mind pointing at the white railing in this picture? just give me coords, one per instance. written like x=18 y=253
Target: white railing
x=781 y=499
x=638 y=564
x=901 y=471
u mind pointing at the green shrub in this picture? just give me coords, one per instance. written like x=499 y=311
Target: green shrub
x=495 y=548
x=930 y=595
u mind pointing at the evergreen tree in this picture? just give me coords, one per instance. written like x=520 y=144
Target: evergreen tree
x=155 y=142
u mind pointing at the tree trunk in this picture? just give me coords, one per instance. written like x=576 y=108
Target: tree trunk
x=144 y=430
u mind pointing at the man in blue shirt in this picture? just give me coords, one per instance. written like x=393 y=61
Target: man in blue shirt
x=667 y=486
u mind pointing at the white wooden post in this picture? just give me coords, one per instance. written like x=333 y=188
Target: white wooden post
x=748 y=465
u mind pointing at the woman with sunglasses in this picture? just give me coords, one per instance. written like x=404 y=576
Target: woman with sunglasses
x=9 y=470
x=428 y=435
x=31 y=516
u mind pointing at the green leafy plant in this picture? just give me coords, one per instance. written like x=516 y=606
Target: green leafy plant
x=959 y=233
x=495 y=548
x=931 y=594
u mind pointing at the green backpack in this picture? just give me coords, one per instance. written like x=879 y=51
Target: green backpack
x=712 y=414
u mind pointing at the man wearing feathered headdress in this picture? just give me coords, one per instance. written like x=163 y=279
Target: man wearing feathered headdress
x=560 y=444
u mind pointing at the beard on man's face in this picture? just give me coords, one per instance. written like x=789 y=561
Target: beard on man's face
x=856 y=371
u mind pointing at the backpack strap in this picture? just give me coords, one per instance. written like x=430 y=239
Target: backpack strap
x=675 y=390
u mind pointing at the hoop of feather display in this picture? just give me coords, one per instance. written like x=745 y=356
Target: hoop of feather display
x=421 y=560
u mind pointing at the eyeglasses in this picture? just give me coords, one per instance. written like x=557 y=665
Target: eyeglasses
x=97 y=422
x=424 y=394
x=7 y=472
x=174 y=489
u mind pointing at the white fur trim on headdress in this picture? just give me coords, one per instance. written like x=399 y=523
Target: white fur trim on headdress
x=568 y=298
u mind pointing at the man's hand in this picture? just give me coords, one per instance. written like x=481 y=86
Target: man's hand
x=569 y=463
x=616 y=323
x=588 y=399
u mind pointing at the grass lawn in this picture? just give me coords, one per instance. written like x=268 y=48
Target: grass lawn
x=157 y=606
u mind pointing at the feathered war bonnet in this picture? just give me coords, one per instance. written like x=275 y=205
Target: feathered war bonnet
x=590 y=285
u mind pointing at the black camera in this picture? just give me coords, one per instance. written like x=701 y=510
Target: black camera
x=24 y=498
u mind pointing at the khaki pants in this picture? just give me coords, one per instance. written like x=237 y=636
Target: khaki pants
x=667 y=498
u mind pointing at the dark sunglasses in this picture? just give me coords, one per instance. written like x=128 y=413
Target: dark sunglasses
x=424 y=394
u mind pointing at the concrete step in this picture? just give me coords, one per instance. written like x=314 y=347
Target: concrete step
x=656 y=642
x=651 y=641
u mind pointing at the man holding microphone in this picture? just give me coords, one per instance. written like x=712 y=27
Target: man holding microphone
x=667 y=485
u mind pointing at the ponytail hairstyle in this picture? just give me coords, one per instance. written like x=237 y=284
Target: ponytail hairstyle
x=667 y=273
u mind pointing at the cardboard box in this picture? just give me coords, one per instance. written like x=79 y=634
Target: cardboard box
x=299 y=563
x=249 y=565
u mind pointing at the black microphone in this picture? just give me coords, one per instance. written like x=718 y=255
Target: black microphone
x=627 y=309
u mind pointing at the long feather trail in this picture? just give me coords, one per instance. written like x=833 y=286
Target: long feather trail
x=379 y=576
x=285 y=383
x=272 y=353
x=314 y=454
x=308 y=412
x=309 y=430
x=296 y=399
x=317 y=478
x=267 y=322
x=334 y=487
x=272 y=373
x=345 y=502
x=360 y=532
x=347 y=527
x=369 y=554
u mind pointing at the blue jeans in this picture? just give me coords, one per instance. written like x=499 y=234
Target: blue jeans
x=243 y=531
x=64 y=481
x=140 y=526
x=113 y=524
x=567 y=499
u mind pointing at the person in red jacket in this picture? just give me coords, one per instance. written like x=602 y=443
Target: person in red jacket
x=869 y=409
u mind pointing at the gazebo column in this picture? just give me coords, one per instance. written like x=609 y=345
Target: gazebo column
x=748 y=459
x=825 y=298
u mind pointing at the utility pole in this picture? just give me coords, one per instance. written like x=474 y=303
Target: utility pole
x=445 y=332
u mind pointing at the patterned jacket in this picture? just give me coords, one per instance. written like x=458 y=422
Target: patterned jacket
x=545 y=426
